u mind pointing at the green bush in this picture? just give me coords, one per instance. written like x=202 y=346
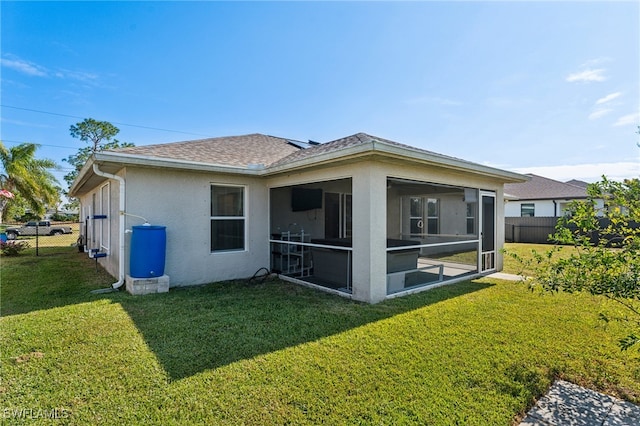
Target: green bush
x=13 y=248
x=64 y=217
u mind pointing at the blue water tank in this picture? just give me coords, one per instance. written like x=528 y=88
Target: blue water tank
x=148 y=247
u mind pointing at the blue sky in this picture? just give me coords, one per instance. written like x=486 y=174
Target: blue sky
x=543 y=87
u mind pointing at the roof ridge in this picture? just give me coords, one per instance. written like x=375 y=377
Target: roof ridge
x=198 y=140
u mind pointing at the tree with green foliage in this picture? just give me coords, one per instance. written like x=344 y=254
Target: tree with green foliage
x=100 y=135
x=602 y=235
x=27 y=179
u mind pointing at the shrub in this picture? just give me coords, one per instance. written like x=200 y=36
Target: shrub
x=13 y=248
x=605 y=259
x=64 y=217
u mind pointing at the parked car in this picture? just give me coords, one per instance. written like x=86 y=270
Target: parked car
x=43 y=227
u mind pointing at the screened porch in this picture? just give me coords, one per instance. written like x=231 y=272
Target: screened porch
x=435 y=233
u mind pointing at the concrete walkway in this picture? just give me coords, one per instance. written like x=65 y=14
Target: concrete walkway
x=506 y=277
x=567 y=404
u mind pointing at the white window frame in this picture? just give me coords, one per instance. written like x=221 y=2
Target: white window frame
x=471 y=207
x=245 y=208
x=436 y=217
x=529 y=206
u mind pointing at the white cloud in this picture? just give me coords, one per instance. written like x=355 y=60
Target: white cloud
x=587 y=172
x=586 y=76
x=596 y=61
x=625 y=120
x=23 y=66
x=608 y=98
x=599 y=113
x=30 y=68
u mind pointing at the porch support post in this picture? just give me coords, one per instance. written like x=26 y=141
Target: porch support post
x=369 y=189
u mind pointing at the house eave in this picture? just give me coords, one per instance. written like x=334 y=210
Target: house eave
x=120 y=160
x=173 y=163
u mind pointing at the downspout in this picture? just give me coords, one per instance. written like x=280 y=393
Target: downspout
x=121 y=194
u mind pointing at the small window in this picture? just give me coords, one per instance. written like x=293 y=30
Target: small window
x=471 y=218
x=227 y=218
x=433 y=216
x=527 y=210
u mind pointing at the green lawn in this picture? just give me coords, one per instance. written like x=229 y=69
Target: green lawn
x=512 y=266
x=477 y=352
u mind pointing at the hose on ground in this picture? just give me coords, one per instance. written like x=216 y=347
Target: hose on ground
x=260 y=276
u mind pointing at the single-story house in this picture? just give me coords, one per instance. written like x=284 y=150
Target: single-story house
x=541 y=197
x=361 y=216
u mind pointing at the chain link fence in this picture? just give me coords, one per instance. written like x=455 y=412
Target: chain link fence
x=42 y=237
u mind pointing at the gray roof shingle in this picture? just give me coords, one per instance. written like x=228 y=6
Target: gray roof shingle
x=237 y=151
x=541 y=188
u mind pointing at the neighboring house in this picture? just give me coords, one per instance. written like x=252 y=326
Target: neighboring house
x=541 y=197
x=576 y=182
x=361 y=216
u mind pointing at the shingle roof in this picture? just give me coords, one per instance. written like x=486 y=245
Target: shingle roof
x=276 y=153
x=346 y=142
x=229 y=151
x=576 y=182
x=541 y=188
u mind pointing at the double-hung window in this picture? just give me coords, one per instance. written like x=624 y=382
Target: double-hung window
x=227 y=218
x=424 y=210
x=433 y=216
x=471 y=218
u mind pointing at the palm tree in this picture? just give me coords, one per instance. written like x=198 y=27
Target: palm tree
x=21 y=173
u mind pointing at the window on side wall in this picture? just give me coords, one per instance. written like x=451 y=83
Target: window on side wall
x=433 y=216
x=227 y=218
x=471 y=218
x=527 y=210
x=105 y=224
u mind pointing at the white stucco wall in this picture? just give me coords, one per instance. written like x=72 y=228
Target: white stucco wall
x=181 y=200
x=543 y=208
x=91 y=228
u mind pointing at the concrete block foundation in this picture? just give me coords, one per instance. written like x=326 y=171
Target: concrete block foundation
x=140 y=286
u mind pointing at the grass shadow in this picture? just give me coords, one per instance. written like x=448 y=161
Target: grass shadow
x=195 y=329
